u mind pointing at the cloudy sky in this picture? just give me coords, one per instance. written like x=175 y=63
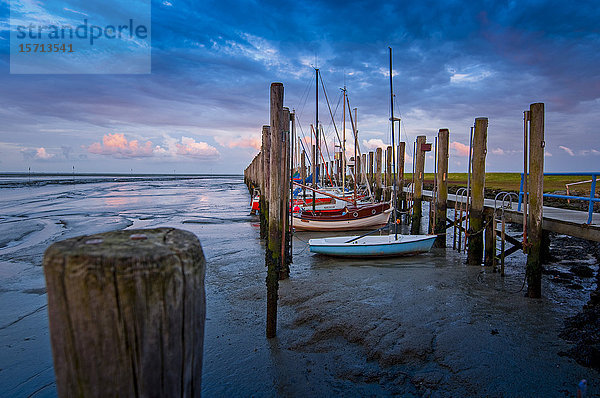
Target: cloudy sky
x=201 y=108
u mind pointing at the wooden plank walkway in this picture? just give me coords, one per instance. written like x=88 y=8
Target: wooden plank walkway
x=562 y=221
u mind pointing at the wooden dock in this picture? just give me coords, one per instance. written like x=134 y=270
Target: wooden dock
x=562 y=221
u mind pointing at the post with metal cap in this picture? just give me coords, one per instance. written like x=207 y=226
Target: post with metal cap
x=476 y=223
x=419 y=174
x=273 y=256
x=442 y=185
x=536 y=189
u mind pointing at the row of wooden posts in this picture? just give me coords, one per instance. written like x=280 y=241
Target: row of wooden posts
x=270 y=172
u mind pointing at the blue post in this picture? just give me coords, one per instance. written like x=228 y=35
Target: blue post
x=521 y=192
x=592 y=197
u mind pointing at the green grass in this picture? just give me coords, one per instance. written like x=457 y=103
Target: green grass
x=512 y=182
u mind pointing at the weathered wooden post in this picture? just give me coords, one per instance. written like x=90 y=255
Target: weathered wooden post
x=442 y=187
x=415 y=227
x=370 y=171
x=273 y=257
x=388 y=173
x=303 y=174
x=126 y=312
x=476 y=220
x=536 y=200
x=358 y=169
x=364 y=168
x=400 y=177
x=284 y=272
x=378 y=166
x=265 y=181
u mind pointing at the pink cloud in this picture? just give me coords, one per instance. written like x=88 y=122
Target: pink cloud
x=42 y=154
x=460 y=149
x=497 y=151
x=189 y=147
x=249 y=142
x=118 y=146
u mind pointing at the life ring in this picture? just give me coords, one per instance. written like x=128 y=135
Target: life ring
x=373 y=211
x=355 y=214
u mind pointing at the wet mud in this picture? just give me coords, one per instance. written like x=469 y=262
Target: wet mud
x=427 y=325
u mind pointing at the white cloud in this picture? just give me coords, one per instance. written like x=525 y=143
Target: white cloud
x=567 y=150
x=374 y=143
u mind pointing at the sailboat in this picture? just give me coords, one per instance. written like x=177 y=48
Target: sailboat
x=368 y=245
x=355 y=215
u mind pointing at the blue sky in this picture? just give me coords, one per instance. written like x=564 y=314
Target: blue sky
x=202 y=107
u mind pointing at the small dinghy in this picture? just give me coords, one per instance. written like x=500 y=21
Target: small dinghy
x=372 y=246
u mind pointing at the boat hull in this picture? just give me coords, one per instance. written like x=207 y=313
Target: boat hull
x=372 y=246
x=344 y=222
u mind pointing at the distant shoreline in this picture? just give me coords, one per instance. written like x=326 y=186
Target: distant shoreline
x=38 y=174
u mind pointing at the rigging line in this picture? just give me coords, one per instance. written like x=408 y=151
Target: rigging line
x=328 y=156
x=322 y=158
x=302 y=142
x=305 y=97
x=330 y=113
x=355 y=133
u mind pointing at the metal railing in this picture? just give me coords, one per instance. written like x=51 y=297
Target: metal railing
x=591 y=199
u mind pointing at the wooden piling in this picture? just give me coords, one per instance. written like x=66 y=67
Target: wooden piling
x=284 y=272
x=265 y=182
x=536 y=190
x=303 y=172
x=442 y=187
x=364 y=169
x=419 y=159
x=370 y=170
x=126 y=312
x=388 y=173
x=358 y=169
x=476 y=220
x=400 y=177
x=378 y=166
x=273 y=257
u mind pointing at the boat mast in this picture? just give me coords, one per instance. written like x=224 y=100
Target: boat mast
x=355 y=149
x=343 y=154
x=393 y=146
x=315 y=165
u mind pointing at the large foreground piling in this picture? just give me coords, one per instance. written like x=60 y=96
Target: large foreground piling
x=378 y=166
x=265 y=182
x=536 y=190
x=273 y=255
x=476 y=220
x=126 y=312
x=442 y=187
x=419 y=159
